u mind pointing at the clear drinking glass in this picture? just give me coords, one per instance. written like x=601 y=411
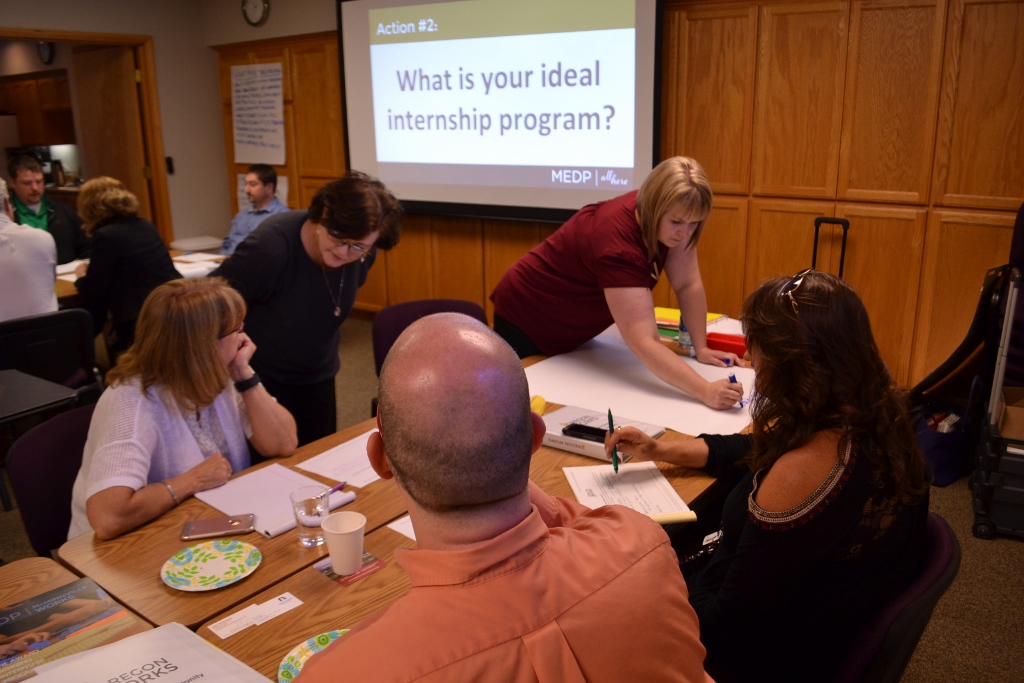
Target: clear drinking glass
x=311 y=506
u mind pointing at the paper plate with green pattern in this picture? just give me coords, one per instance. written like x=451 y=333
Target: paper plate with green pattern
x=209 y=565
x=292 y=664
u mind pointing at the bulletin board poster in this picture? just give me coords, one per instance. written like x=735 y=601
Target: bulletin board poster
x=257 y=105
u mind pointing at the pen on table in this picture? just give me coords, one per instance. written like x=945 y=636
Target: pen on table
x=337 y=487
x=615 y=452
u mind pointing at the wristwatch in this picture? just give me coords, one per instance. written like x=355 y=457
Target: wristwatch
x=247 y=384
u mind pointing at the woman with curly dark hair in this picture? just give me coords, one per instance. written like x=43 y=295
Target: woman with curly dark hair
x=826 y=520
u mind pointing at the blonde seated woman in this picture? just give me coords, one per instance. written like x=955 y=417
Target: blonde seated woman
x=181 y=404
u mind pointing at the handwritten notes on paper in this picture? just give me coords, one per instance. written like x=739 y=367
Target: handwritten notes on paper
x=640 y=486
x=258 y=113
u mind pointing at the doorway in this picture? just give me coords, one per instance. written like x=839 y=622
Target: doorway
x=114 y=98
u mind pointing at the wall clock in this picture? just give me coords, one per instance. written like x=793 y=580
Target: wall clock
x=255 y=12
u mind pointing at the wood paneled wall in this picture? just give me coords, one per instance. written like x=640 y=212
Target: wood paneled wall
x=898 y=115
x=903 y=116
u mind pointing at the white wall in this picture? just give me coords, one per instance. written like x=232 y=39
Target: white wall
x=187 y=86
x=22 y=56
x=223 y=23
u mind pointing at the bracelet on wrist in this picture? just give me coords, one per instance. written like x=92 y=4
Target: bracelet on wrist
x=247 y=384
x=170 y=490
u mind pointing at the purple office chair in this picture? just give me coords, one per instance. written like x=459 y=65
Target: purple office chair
x=393 y=320
x=42 y=465
x=884 y=647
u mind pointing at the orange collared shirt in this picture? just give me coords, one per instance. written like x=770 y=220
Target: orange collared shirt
x=569 y=594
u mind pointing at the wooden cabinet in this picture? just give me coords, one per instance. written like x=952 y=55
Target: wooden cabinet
x=980 y=142
x=42 y=105
x=721 y=254
x=799 y=109
x=891 y=113
x=892 y=94
x=709 y=59
x=883 y=263
x=780 y=238
x=959 y=247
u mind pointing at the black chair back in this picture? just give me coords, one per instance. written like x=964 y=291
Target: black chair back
x=42 y=466
x=392 y=321
x=55 y=346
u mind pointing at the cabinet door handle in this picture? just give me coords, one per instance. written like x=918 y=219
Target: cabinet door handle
x=845 y=225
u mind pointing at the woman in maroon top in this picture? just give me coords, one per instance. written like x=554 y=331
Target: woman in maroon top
x=600 y=268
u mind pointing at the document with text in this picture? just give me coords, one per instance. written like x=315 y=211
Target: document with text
x=640 y=486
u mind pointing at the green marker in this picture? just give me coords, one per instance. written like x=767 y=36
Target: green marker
x=615 y=452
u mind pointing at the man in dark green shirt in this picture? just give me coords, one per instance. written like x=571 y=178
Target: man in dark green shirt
x=33 y=208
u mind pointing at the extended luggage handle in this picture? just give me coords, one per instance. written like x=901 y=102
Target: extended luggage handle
x=845 y=225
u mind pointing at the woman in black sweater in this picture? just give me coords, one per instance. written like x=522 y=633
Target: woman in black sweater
x=129 y=259
x=826 y=520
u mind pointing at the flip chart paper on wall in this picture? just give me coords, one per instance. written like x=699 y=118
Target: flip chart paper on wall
x=604 y=373
x=257 y=108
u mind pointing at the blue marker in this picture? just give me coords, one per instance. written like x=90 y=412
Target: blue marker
x=727 y=361
x=732 y=380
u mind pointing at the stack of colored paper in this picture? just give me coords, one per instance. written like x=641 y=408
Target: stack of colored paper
x=668 y=318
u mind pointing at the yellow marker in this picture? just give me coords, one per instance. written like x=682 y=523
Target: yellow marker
x=675 y=517
x=538 y=404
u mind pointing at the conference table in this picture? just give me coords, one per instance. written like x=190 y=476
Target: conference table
x=128 y=567
x=67 y=292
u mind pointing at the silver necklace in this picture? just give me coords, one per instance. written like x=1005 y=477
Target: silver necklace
x=341 y=286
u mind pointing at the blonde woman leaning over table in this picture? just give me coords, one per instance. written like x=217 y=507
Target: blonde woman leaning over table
x=600 y=268
x=826 y=522
x=181 y=404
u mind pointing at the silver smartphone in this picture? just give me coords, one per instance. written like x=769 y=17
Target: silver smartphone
x=218 y=526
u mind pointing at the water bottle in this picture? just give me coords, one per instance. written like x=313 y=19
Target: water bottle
x=684 y=340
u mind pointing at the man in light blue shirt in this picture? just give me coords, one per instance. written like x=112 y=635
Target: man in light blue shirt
x=260 y=185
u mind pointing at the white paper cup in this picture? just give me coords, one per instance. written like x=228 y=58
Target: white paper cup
x=343 y=532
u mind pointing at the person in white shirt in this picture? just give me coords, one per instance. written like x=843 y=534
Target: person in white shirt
x=28 y=262
x=181 y=404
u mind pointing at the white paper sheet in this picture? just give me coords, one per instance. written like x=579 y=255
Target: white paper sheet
x=68 y=277
x=264 y=493
x=403 y=526
x=257 y=113
x=640 y=486
x=604 y=373
x=198 y=256
x=346 y=462
x=200 y=269
x=69 y=267
x=169 y=652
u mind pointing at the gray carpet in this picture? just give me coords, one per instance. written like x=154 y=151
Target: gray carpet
x=974 y=634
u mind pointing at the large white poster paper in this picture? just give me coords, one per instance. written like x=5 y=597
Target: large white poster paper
x=258 y=113
x=604 y=373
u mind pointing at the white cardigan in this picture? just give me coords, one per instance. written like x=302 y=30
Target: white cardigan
x=138 y=438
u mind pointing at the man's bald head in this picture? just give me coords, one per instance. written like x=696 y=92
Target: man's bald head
x=455 y=414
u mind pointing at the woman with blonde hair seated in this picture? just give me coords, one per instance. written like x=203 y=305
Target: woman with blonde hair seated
x=826 y=520
x=181 y=404
x=129 y=259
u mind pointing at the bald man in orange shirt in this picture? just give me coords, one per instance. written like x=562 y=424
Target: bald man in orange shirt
x=508 y=583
